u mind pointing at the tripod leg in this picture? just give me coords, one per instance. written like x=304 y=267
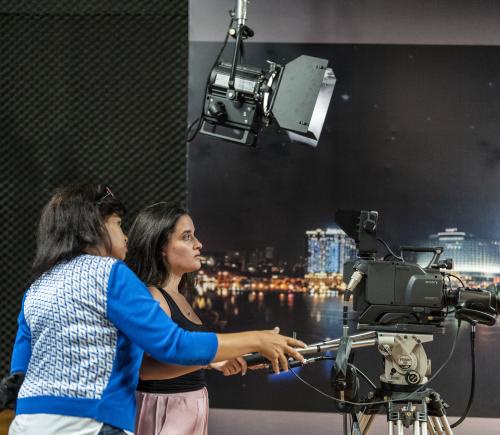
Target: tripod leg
x=362 y=421
x=423 y=428
x=399 y=427
x=356 y=425
x=369 y=421
x=416 y=427
x=446 y=425
x=391 y=427
x=430 y=426
x=437 y=426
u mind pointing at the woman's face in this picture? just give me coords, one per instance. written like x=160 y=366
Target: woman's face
x=182 y=251
x=118 y=239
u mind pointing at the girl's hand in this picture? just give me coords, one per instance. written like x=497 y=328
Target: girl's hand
x=276 y=348
x=231 y=366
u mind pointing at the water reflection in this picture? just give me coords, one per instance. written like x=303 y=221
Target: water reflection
x=316 y=317
x=316 y=314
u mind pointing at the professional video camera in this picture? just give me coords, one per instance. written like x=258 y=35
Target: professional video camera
x=402 y=305
x=394 y=295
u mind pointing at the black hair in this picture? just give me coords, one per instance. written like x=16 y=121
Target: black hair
x=72 y=223
x=147 y=237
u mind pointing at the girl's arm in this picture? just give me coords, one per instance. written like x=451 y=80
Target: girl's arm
x=22 y=346
x=152 y=369
x=134 y=312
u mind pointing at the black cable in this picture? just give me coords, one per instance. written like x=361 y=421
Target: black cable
x=356 y=369
x=202 y=114
x=192 y=125
x=383 y=402
x=457 y=278
x=442 y=365
x=364 y=376
x=390 y=250
x=473 y=379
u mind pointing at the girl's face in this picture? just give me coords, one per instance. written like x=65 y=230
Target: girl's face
x=182 y=251
x=118 y=239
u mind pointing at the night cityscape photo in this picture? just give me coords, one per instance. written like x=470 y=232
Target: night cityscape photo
x=412 y=132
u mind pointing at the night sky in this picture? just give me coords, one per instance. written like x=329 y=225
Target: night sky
x=413 y=132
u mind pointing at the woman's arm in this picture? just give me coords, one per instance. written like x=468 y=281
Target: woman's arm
x=21 y=353
x=134 y=312
x=139 y=317
x=152 y=369
x=270 y=344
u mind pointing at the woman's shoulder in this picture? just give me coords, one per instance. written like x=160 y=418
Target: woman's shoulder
x=97 y=259
x=156 y=292
x=82 y=265
x=94 y=265
x=159 y=296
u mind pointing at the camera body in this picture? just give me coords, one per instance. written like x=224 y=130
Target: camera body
x=398 y=296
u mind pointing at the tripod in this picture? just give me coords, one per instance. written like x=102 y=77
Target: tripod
x=402 y=392
x=407 y=402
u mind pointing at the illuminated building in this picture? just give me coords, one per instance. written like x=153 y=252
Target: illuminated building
x=473 y=257
x=327 y=251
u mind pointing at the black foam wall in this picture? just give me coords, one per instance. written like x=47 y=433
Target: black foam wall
x=89 y=91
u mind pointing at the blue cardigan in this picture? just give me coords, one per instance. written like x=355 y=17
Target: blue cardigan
x=82 y=331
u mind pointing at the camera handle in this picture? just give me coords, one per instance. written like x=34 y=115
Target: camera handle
x=436 y=250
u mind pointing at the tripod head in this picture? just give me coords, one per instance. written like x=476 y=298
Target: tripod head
x=405 y=362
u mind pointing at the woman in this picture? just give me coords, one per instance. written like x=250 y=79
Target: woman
x=164 y=252
x=86 y=320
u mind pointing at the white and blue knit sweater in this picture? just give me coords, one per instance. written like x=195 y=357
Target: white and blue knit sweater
x=83 y=328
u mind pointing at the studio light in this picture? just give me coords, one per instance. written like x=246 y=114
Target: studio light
x=241 y=100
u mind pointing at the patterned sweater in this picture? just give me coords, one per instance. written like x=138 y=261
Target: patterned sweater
x=82 y=331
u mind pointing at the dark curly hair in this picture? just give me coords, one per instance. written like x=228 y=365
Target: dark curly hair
x=72 y=223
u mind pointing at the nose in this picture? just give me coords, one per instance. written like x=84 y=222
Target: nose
x=198 y=245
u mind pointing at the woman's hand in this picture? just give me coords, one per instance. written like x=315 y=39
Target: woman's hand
x=235 y=366
x=231 y=366
x=276 y=347
x=270 y=344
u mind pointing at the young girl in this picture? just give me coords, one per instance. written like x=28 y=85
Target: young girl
x=86 y=320
x=163 y=252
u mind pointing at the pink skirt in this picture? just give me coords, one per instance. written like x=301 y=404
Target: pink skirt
x=172 y=414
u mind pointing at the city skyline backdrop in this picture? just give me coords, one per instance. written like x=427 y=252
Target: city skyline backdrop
x=412 y=132
x=326 y=250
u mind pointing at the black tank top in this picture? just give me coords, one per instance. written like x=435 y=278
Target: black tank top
x=190 y=381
